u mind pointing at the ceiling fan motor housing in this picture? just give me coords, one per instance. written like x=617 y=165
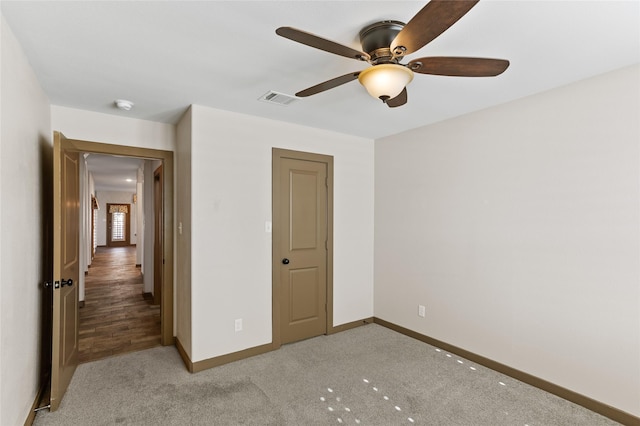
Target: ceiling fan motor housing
x=376 y=39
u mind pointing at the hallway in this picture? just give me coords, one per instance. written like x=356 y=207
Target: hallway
x=116 y=317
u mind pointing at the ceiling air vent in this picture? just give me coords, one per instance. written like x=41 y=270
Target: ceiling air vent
x=277 y=98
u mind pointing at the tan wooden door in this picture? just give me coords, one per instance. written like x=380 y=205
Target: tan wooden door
x=302 y=233
x=66 y=209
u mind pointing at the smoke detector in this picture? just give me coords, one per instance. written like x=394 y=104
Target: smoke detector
x=124 y=104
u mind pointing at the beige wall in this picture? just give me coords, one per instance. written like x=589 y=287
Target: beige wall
x=518 y=228
x=113 y=129
x=230 y=203
x=25 y=194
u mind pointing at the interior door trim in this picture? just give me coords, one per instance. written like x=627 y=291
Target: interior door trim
x=277 y=155
x=167 y=314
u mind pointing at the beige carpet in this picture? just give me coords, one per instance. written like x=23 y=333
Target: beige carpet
x=368 y=376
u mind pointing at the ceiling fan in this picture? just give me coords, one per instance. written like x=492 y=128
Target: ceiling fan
x=385 y=44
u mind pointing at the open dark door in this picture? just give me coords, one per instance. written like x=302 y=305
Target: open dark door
x=158 y=249
x=66 y=208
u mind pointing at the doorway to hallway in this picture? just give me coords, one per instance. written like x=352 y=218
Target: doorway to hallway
x=66 y=244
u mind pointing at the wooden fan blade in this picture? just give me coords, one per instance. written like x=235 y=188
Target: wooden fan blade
x=399 y=100
x=321 y=43
x=329 y=84
x=432 y=20
x=459 y=67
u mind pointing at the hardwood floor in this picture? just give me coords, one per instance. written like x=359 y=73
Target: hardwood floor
x=116 y=318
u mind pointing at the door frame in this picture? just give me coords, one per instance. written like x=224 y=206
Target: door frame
x=277 y=155
x=166 y=308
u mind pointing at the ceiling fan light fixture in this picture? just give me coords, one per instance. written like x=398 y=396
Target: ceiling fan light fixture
x=385 y=81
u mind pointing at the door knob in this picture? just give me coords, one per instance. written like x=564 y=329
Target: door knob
x=285 y=261
x=64 y=282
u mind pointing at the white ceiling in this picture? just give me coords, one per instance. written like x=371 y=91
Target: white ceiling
x=110 y=173
x=166 y=55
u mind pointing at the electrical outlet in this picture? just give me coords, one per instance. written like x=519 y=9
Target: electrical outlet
x=421 y=311
x=239 y=324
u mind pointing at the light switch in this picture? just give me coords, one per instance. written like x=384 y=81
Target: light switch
x=268 y=227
